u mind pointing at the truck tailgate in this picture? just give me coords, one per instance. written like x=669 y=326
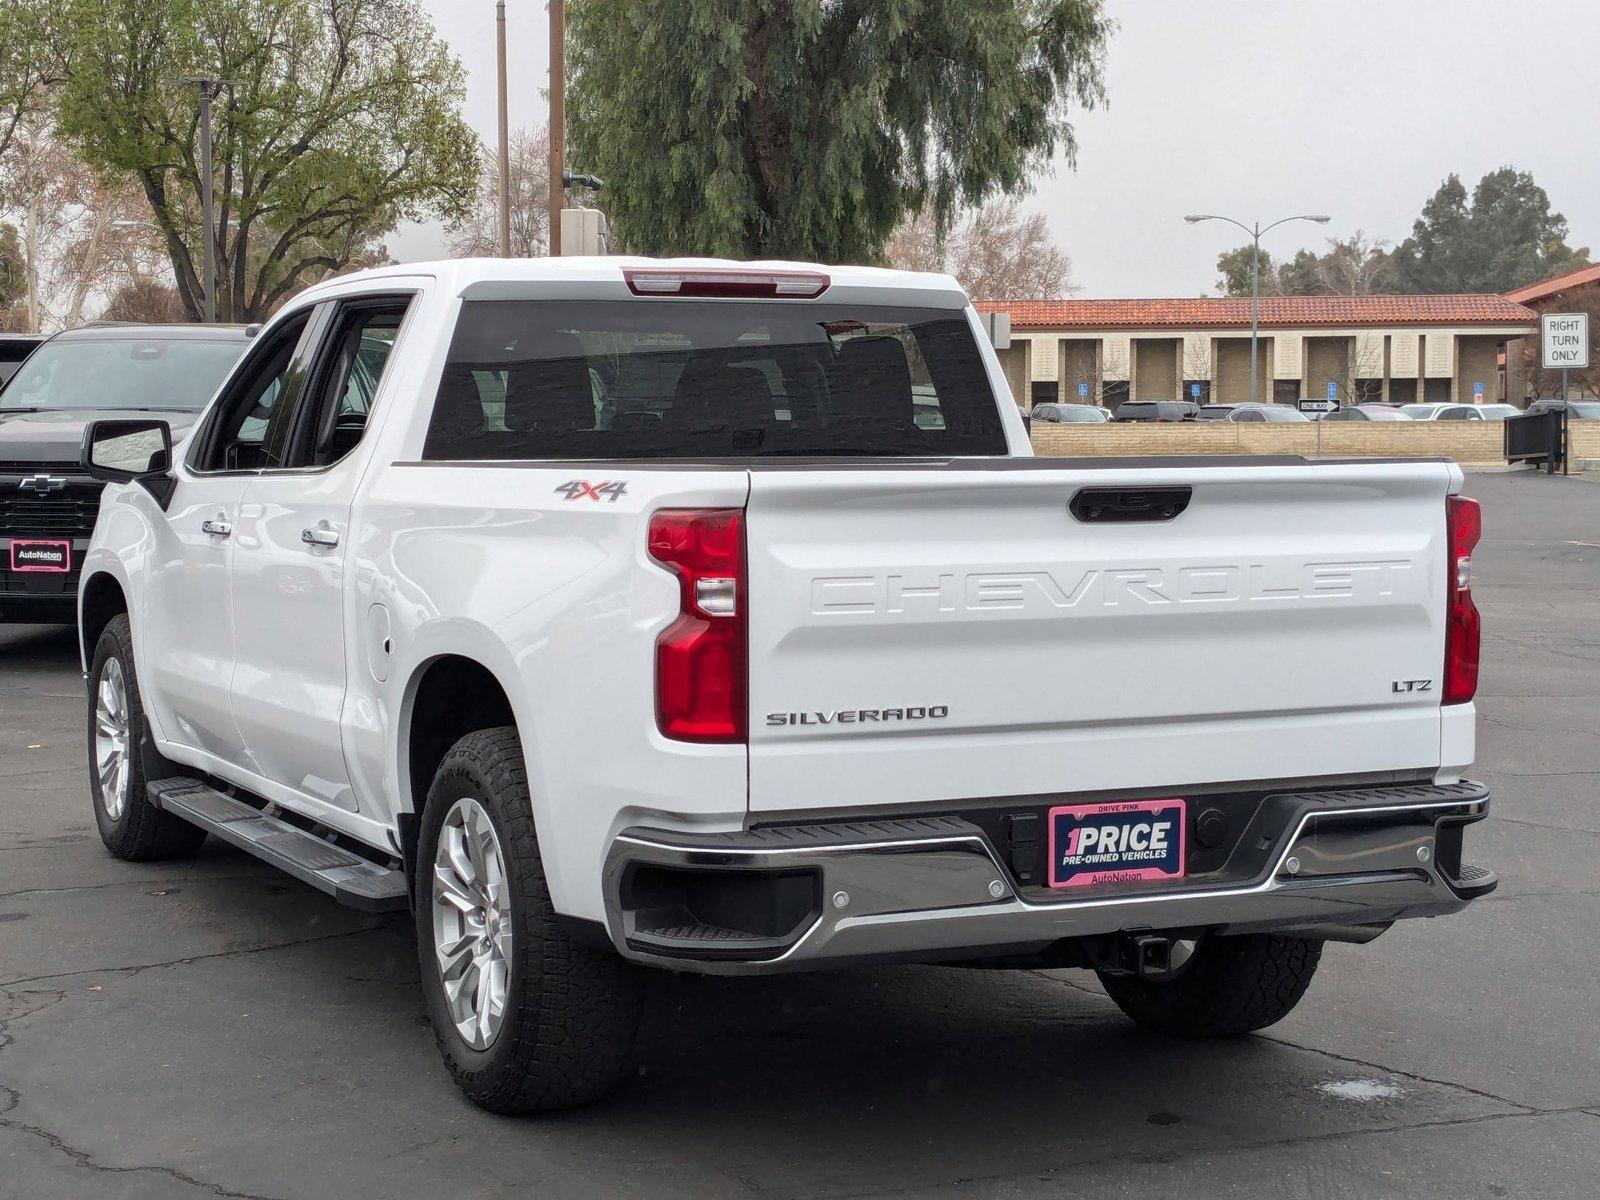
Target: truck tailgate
x=939 y=632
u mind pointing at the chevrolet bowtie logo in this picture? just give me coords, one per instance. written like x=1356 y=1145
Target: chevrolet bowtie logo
x=43 y=484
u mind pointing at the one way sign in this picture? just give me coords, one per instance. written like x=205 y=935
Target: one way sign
x=1565 y=338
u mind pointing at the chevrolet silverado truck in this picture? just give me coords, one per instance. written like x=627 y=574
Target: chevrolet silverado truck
x=48 y=503
x=623 y=614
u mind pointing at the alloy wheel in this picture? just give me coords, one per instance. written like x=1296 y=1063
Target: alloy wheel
x=111 y=739
x=472 y=922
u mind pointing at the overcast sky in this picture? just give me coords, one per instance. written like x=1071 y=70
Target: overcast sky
x=1248 y=108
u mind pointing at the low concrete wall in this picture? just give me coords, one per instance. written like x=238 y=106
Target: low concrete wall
x=1583 y=445
x=1476 y=443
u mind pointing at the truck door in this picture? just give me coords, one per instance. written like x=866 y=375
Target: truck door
x=291 y=558
x=188 y=620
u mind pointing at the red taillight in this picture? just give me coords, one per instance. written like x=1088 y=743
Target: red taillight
x=726 y=282
x=701 y=657
x=1462 y=627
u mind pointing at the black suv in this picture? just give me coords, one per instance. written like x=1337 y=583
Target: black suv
x=1158 y=410
x=47 y=504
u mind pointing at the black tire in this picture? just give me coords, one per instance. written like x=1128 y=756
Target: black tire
x=1232 y=986
x=567 y=1034
x=140 y=832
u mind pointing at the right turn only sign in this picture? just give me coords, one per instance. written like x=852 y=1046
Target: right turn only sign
x=1565 y=338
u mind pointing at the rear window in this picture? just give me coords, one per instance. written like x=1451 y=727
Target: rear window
x=541 y=379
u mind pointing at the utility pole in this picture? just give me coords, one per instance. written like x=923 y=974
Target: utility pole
x=208 y=239
x=558 y=118
x=505 y=133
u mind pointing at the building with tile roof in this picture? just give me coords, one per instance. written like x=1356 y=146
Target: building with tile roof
x=1391 y=348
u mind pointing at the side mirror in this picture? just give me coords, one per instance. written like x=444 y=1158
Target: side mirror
x=124 y=451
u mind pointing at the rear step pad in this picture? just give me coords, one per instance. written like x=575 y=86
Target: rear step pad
x=1473 y=881
x=348 y=878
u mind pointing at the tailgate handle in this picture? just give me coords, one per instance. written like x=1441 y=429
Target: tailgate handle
x=1104 y=504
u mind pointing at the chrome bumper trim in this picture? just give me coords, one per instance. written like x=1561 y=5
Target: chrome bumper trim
x=934 y=887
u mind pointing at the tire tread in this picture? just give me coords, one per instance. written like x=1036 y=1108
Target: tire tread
x=145 y=833
x=577 y=1008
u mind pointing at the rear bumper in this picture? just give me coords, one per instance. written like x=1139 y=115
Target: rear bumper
x=806 y=896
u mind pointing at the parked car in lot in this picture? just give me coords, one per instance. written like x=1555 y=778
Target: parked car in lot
x=1577 y=410
x=47 y=501
x=731 y=681
x=14 y=347
x=1364 y=412
x=1071 y=414
x=1460 y=412
x=1158 y=410
x=1267 y=412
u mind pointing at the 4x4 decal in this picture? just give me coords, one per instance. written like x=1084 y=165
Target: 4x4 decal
x=582 y=489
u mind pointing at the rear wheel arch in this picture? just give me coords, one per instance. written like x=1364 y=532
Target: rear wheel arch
x=451 y=695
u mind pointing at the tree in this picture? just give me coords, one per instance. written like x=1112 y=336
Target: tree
x=13 y=271
x=1235 y=268
x=1300 y=276
x=1352 y=266
x=479 y=234
x=808 y=128
x=1507 y=237
x=76 y=234
x=23 y=66
x=340 y=121
x=1356 y=266
x=145 y=300
x=996 y=252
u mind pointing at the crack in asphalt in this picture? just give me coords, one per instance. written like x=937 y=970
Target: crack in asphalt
x=12 y=1097
x=1401 y=1074
x=139 y=883
x=1351 y=1060
x=1499 y=898
x=84 y=1159
x=1168 y=1158
x=1542 y=825
x=136 y=968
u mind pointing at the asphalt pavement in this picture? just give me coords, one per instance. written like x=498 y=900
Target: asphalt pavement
x=211 y=1028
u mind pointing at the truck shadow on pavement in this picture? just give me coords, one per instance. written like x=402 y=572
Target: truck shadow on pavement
x=249 y=1014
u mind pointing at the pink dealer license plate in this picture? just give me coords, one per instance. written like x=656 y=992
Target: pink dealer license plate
x=1120 y=842
x=51 y=556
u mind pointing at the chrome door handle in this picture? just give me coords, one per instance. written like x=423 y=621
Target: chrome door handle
x=320 y=536
x=216 y=528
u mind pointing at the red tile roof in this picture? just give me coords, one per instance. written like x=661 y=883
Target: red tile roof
x=1208 y=312
x=1557 y=283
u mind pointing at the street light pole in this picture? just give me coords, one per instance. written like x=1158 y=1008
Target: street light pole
x=505 y=133
x=209 y=87
x=1255 y=231
x=208 y=246
x=1255 y=311
x=558 y=119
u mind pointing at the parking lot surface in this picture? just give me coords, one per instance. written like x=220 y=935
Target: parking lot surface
x=212 y=1028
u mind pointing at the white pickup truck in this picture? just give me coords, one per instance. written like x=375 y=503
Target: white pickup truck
x=620 y=613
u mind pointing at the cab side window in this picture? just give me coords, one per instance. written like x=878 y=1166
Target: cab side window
x=344 y=383
x=249 y=427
